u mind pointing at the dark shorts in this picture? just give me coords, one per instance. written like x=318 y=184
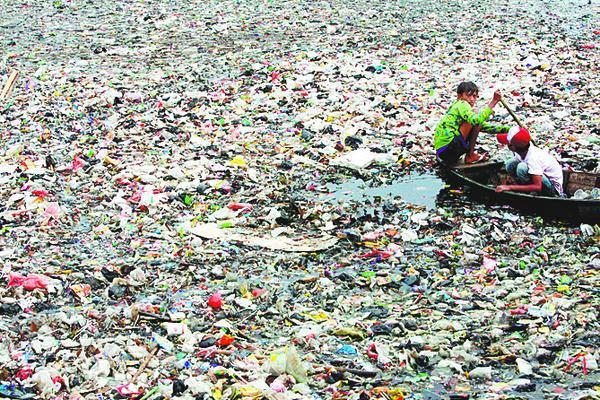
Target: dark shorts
x=453 y=150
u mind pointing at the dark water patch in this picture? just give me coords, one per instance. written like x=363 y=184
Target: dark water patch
x=415 y=189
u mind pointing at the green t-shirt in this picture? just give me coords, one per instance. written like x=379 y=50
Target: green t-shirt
x=460 y=111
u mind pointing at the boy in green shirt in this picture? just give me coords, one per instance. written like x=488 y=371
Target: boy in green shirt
x=456 y=133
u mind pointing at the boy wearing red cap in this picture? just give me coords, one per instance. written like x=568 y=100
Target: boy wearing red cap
x=534 y=169
x=456 y=133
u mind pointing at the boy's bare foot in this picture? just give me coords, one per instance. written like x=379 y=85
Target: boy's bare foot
x=475 y=158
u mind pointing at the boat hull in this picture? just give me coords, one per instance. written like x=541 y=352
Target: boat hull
x=565 y=209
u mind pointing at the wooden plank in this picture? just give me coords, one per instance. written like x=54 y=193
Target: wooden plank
x=574 y=180
x=583 y=178
x=12 y=79
x=476 y=165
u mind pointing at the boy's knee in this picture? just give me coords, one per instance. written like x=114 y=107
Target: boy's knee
x=465 y=129
x=511 y=165
x=522 y=169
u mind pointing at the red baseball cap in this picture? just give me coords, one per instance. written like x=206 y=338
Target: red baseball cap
x=516 y=135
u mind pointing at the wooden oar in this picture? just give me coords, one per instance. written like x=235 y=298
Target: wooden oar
x=512 y=114
x=517 y=120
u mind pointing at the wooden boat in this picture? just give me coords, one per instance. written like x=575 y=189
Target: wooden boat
x=483 y=178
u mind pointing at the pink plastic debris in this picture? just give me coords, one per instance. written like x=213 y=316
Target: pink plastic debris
x=489 y=264
x=129 y=390
x=278 y=387
x=77 y=164
x=52 y=211
x=29 y=282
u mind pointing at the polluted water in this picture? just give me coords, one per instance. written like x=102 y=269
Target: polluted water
x=421 y=190
x=175 y=215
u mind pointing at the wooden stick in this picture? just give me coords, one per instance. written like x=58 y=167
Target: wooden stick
x=512 y=114
x=144 y=364
x=517 y=120
x=9 y=84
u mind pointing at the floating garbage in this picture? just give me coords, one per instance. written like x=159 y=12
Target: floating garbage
x=239 y=200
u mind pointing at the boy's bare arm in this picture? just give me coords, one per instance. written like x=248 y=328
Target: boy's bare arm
x=534 y=186
x=495 y=99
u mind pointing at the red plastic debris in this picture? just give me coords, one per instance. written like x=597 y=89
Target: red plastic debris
x=24 y=373
x=522 y=310
x=215 y=300
x=40 y=193
x=372 y=351
x=245 y=207
x=225 y=340
x=377 y=253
